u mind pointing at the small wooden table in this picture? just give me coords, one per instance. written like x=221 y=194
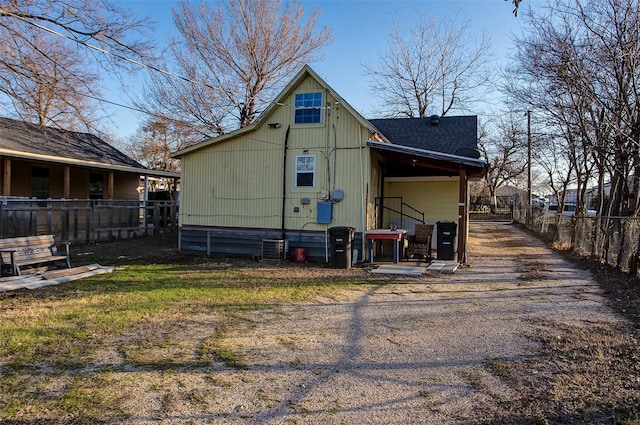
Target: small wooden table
x=385 y=234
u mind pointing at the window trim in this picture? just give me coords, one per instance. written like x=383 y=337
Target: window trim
x=297 y=171
x=300 y=108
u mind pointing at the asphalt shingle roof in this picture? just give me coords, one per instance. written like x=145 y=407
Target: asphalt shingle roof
x=455 y=135
x=31 y=138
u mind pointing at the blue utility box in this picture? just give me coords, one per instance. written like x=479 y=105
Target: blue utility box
x=325 y=212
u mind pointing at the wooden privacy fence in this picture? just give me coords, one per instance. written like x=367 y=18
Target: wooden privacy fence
x=85 y=220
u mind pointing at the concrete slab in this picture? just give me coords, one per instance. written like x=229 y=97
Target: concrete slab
x=441 y=266
x=400 y=270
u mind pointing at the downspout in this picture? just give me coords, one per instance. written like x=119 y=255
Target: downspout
x=335 y=155
x=327 y=142
x=284 y=180
x=363 y=200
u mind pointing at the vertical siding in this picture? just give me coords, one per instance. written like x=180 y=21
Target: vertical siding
x=239 y=182
x=79 y=183
x=126 y=186
x=438 y=199
x=234 y=184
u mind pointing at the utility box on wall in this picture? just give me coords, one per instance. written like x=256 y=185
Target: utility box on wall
x=324 y=212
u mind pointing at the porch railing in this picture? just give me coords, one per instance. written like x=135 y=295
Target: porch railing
x=393 y=210
x=85 y=220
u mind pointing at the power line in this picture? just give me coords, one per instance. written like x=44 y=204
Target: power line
x=124 y=58
x=107 y=52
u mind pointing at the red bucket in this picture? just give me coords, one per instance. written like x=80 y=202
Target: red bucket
x=300 y=255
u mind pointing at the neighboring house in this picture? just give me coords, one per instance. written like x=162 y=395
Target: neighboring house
x=43 y=162
x=311 y=162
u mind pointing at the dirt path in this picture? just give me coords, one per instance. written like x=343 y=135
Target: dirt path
x=430 y=350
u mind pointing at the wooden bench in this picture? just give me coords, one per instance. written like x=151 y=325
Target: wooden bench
x=30 y=251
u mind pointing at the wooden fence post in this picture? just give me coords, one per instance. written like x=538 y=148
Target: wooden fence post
x=75 y=223
x=49 y=217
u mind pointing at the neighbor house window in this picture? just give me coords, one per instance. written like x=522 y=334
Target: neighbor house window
x=305 y=170
x=40 y=183
x=308 y=108
x=96 y=186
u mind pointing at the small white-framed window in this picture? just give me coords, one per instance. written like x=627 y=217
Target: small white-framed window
x=305 y=171
x=308 y=108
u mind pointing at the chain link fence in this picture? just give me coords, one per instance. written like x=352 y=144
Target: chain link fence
x=609 y=240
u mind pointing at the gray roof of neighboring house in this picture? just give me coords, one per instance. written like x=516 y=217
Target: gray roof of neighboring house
x=455 y=135
x=23 y=137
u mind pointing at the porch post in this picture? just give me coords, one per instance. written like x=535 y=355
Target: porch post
x=145 y=202
x=67 y=183
x=462 y=217
x=110 y=184
x=6 y=176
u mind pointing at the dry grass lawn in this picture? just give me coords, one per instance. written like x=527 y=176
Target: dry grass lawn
x=175 y=338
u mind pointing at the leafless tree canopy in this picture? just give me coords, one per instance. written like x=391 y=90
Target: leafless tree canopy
x=433 y=68
x=53 y=93
x=51 y=54
x=505 y=154
x=579 y=72
x=233 y=55
x=156 y=139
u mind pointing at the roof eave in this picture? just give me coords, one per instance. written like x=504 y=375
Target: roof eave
x=82 y=163
x=462 y=160
x=214 y=140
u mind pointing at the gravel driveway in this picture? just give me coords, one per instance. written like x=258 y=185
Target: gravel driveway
x=406 y=351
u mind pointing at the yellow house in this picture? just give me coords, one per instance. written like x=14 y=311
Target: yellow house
x=311 y=163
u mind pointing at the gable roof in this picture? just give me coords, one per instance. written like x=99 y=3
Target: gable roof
x=453 y=139
x=278 y=101
x=19 y=139
x=455 y=135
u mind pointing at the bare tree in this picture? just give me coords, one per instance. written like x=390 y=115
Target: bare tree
x=503 y=155
x=580 y=70
x=433 y=68
x=51 y=53
x=53 y=93
x=233 y=55
x=156 y=139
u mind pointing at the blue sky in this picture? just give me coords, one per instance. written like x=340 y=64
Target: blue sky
x=359 y=29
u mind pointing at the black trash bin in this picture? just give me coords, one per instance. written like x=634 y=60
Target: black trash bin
x=341 y=246
x=446 y=239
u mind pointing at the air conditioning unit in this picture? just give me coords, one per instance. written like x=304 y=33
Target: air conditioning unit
x=274 y=249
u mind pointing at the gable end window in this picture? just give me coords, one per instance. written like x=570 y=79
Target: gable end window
x=308 y=108
x=305 y=170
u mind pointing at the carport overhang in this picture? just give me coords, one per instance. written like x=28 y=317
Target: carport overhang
x=425 y=162
x=405 y=161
